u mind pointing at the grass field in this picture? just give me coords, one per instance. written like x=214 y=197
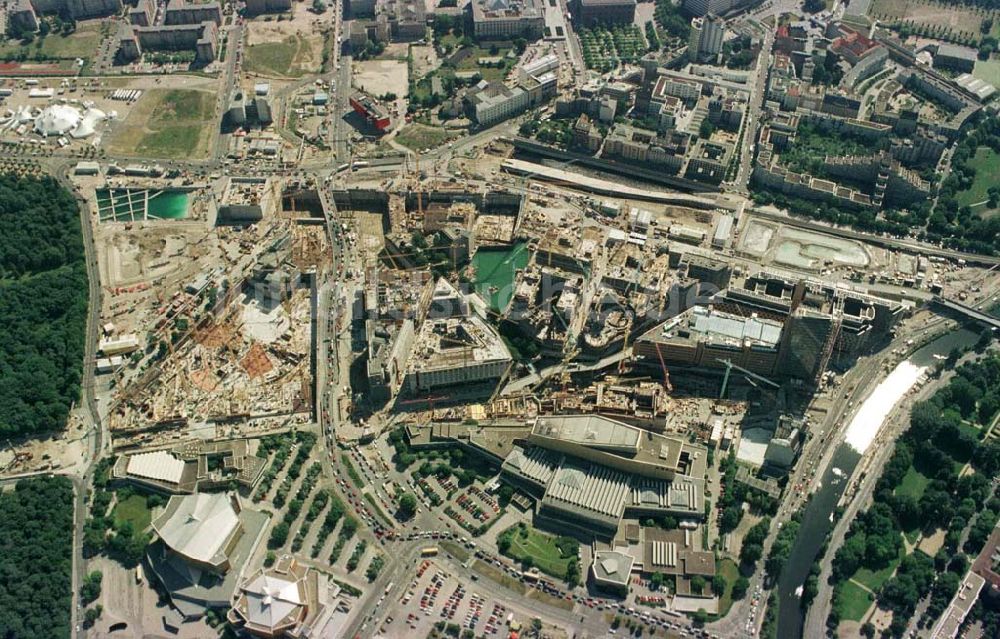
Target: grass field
x=493 y=573
x=542 y=549
x=292 y=57
x=988 y=71
x=419 y=137
x=913 y=484
x=987 y=165
x=82 y=43
x=728 y=569
x=951 y=17
x=168 y=123
x=873 y=580
x=133 y=510
x=852 y=601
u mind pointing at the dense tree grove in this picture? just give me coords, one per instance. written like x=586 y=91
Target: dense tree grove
x=959 y=226
x=43 y=305
x=940 y=440
x=36 y=538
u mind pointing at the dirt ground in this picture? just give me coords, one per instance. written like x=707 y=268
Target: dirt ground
x=303 y=31
x=141 y=127
x=933 y=543
x=945 y=14
x=378 y=77
x=302 y=22
x=425 y=60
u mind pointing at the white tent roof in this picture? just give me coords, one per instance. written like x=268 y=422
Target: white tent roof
x=271 y=599
x=159 y=465
x=199 y=526
x=57 y=119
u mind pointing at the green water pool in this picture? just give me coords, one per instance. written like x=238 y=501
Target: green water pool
x=137 y=205
x=495 y=272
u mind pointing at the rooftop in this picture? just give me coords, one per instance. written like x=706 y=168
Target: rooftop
x=592 y=431
x=703 y=323
x=198 y=526
x=613 y=567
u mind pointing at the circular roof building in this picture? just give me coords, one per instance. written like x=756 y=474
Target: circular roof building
x=57 y=119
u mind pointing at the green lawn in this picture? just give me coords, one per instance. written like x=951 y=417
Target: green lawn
x=80 y=44
x=728 y=569
x=272 y=58
x=292 y=57
x=914 y=483
x=852 y=601
x=419 y=137
x=873 y=580
x=174 y=141
x=987 y=165
x=988 y=70
x=133 y=510
x=542 y=549
x=184 y=104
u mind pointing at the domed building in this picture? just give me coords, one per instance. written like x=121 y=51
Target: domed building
x=57 y=119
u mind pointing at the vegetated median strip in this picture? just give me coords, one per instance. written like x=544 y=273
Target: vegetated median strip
x=386 y=519
x=352 y=472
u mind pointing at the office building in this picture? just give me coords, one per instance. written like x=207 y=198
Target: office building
x=606 y=12
x=507 y=19
x=719 y=7
x=257 y=7
x=954 y=57
x=454 y=346
x=705 y=40
x=590 y=471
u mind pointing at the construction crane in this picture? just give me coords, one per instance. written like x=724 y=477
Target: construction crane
x=667 y=386
x=751 y=375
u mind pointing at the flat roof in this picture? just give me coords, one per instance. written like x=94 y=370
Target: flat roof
x=593 y=431
x=613 y=566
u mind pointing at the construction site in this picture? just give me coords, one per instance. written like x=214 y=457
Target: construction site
x=207 y=318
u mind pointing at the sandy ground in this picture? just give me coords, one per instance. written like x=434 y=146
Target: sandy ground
x=425 y=60
x=302 y=22
x=378 y=77
x=933 y=543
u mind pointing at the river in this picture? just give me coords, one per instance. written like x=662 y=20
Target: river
x=861 y=431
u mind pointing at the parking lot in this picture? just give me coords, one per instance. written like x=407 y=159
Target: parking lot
x=436 y=595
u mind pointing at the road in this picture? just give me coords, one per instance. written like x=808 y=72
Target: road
x=755 y=102
x=97 y=438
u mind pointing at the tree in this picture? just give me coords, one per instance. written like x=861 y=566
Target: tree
x=407 y=506
x=718 y=584
x=740 y=587
x=41 y=335
x=536 y=625
x=697 y=584
x=656 y=580
x=36 y=535
x=93 y=614
x=319 y=6
x=90 y=589
x=751 y=553
x=279 y=535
